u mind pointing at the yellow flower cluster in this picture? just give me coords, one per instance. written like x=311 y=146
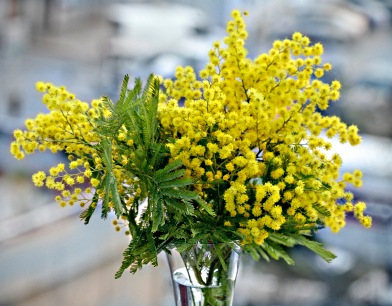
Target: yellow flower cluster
x=70 y=127
x=67 y=127
x=250 y=134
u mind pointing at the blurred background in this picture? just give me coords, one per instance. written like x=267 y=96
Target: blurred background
x=49 y=257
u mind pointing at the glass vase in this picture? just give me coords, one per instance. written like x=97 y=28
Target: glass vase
x=208 y=276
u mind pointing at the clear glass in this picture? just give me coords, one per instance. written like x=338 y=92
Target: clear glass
x=209 y=275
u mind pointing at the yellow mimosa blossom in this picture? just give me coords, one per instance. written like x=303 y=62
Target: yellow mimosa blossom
x=267 y=106
x=237 y=150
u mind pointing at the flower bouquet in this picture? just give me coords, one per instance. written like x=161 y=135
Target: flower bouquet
x=237 y=153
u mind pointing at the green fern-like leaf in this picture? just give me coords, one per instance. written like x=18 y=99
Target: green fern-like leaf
x=184 y=207
x=87 y=214
x=178 y=183
x=282 y=239
x=165 y=177
x=205 y=206
x=322 y=210
x=276 y=252
x=156 y=209
x=140 y=251
x=315 y=246
x=110 y=184
x=161 y=175
x=170 y=200
x=180 y=194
